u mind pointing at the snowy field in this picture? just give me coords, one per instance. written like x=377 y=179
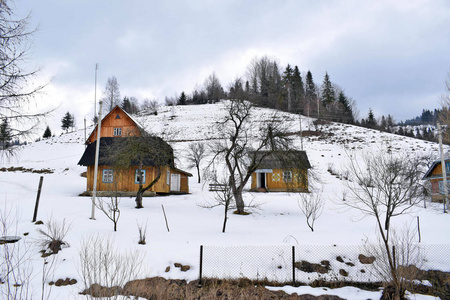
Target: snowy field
x=277 y=221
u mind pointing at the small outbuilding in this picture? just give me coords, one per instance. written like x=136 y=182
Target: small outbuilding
x=281 y=171
x=434 y=175
x=120 y=131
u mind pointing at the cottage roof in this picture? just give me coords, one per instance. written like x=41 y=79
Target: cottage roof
x=109 y=144
x=294 y=159
x=113 y=111
x=428 y=174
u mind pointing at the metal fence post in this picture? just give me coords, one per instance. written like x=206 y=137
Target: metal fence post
x=293 y=265
x=201 y=266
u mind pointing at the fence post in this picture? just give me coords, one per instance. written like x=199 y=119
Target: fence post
x=37 y=199
x=201 y=266
x=293 y=265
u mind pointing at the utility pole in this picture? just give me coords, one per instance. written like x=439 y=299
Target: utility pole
x=444 y=169
x=97 y=151
x=95 y=91
x=301 y=131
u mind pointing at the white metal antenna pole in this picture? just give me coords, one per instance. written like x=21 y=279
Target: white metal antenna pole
x=301 y=131
x=97 y=151
x=444 y=169
x=85 y=146
x=95 y=91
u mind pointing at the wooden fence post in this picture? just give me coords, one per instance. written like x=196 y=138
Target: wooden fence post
x=37 y=199
x=293 y=265
x=201 y=267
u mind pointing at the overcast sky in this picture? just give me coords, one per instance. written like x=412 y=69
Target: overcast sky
x=391 y=56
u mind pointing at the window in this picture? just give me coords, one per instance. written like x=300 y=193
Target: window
x=137 y=178
x=168 y=177
x=441 y=186
x=287 y=176
x=108 y=176
x=117 y=131
x=447 y=167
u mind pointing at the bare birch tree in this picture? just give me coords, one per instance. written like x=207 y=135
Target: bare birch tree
x=384 y=186
x=195 y=154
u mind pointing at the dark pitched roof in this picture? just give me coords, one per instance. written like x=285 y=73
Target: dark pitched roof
x=431 y=169
x=108 y=146
x=283 y=159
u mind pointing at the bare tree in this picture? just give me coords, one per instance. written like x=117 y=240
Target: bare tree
x=311 y=206
x=444 y=115
x=150 y=106
x=242 y=143
x=223 y=197
x=16 y=80
x=110 y=208
x=146 y=150
x=384 y=186
x=111 y=94
x=214 y=89
x=195 y=153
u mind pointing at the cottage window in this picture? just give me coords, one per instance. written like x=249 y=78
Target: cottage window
x=108 y=176
x=140 y=178
x=117 y=131
x=287 y=176
x=168 y=177
x=441 y=186
x=447 y=167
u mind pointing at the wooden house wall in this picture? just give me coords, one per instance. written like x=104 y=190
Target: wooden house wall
x=108 y=124
x=274 y=180
x=124 y=180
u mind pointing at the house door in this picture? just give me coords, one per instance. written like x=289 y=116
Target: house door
x=175 y=182
x=261 y=180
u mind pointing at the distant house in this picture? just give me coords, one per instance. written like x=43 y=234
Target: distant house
x=281 y=171
x=118 y=128
x=434 y=175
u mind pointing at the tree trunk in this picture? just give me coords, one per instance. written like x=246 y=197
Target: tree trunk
x=225 y=218
x=139 y=198
x=198 y=172
x=240 y=205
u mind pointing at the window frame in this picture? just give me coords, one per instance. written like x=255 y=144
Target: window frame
x=108 y=176
x=117 y=131
x=441 y=186
x=143 y=173
x=287 y=176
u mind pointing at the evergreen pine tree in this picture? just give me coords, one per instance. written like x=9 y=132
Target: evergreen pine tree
x=47 y=133
x=347 y=109
x=5 y=135
x=182 y=99
x=287 y=83
x=328 y=94
x=371 y=122
x=126 y=104
x=67 y=122
x=298 y=90
x=311 y=94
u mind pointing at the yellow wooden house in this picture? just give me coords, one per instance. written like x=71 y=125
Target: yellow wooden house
x=434 y=175
x=281 y=171
x=118 y=128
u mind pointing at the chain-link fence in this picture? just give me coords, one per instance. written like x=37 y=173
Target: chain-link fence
x=307 y=263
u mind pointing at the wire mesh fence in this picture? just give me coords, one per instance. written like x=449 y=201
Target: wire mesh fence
x=307 y=263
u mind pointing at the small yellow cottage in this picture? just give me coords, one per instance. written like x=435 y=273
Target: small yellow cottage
x=281 y=171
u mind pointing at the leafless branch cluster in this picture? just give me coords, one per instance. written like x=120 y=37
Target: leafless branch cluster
x=101 y=264
x=15 y=261
x=311 y=206
x=53 y=236
x=110 y=208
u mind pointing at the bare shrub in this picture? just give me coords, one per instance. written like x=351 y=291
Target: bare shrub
x=52 y=237
x=103 y=269
x=311 y=206
x=110 y=208
x=15 y=260
x=142 y=233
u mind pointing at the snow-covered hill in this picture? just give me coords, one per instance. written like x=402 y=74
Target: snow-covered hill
x=277 y=221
